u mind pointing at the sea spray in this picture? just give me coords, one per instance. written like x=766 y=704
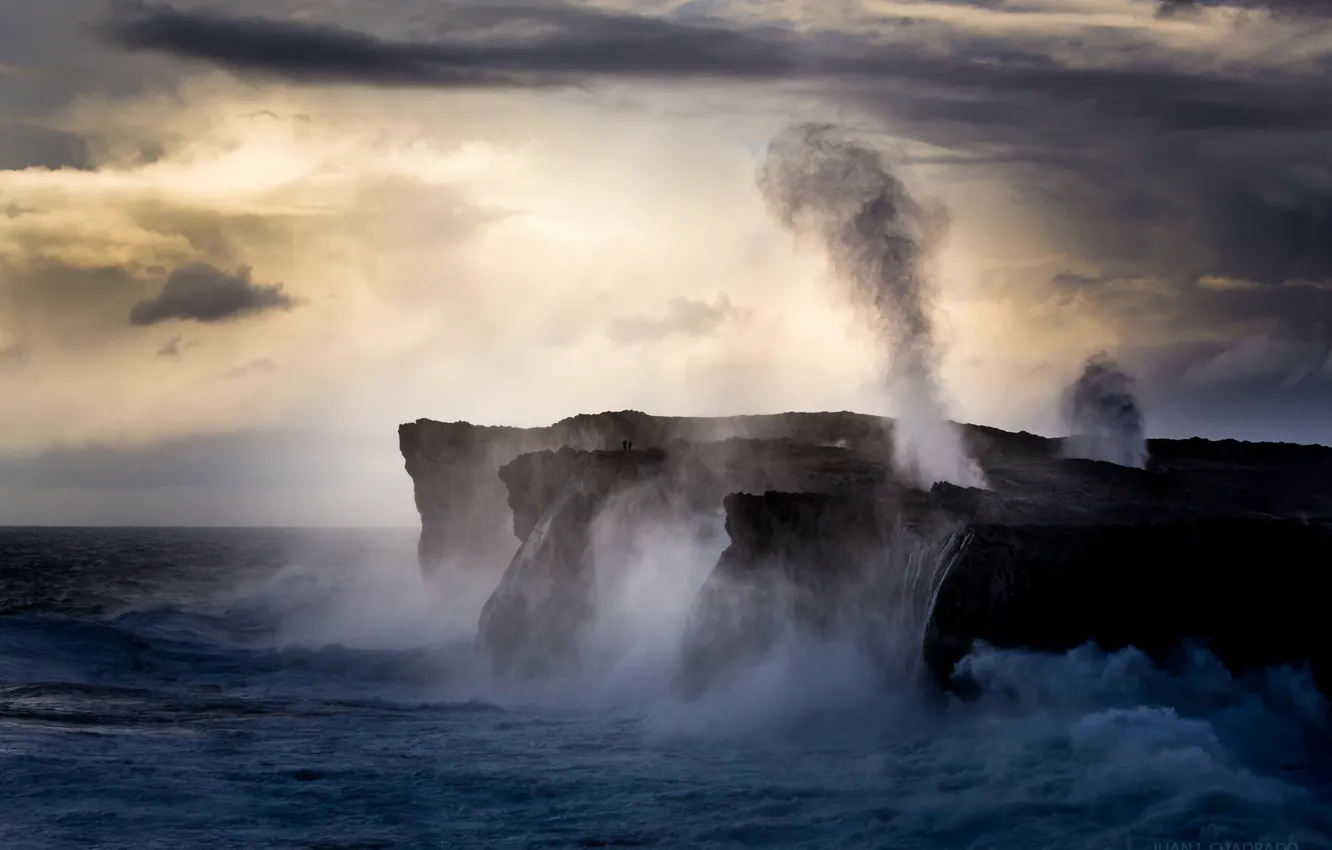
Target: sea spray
x=899 y=599
x=1103 y=417
x=878 y=238
x=858 y=665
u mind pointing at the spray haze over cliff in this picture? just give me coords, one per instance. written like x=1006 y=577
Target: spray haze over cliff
x=879 y=238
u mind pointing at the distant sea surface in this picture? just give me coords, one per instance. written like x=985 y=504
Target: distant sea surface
x=308 y=689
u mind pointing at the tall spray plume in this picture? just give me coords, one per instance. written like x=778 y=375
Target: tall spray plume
x=1103 y=416
x=879 y=238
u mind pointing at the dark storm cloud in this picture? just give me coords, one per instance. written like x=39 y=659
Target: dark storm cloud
x=1154 y=161
x=1150 y=167
x=565 y=44
x=1300 y=309
x=1171 y=8
x=46 y=64
x=203 y=293
x=686 y=316
x=62 y=304
x=950 y=75
x=507 y=45
x=1258 y=366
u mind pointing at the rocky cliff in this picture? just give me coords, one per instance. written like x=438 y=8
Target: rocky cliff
x=464 y=506
x=854 y=564
x=1217 y=543
x=532 y=621
x=1248 y=589
x=546 y=596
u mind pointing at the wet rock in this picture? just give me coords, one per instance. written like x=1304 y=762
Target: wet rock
x=1247 y=589
x=532 y=622
x=843 y=565
x=464 y=506
x=1219 y=543
x=530 y=625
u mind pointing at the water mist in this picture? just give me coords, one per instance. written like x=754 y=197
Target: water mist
x=1103 y=417
x=878 y=238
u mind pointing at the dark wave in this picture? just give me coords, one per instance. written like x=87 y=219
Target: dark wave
x=175 y=708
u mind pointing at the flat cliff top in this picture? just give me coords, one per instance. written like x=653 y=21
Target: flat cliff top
x=590 y=431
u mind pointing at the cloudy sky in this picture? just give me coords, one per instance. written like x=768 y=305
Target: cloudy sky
x=241 y=241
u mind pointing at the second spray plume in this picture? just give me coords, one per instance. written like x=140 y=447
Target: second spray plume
x=879 y=238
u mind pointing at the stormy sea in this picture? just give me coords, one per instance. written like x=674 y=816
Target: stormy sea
x=246 y=688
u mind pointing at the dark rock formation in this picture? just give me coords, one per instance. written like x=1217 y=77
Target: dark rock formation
x=1219 y=543
x=464 y=506
x=1250 y=590
x=1247 y=589
x=858 y=565
x=459 y=496
x=532 y=621
x=1057 y=555
x=795 y=559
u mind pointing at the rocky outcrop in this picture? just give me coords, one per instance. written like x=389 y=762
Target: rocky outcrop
x=464 y=506
x=461 y=501
x=546 y=597
x=855 y=565
x=1248 y=589
x=825 y=540
x=794 y=560
x=1058 y=554
x=531 y=623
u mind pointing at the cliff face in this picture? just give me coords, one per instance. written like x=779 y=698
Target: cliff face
x=1085 y=552
x=852 y=565
x=1214 y=543
x=464 y=506
x=531 y=624
x=795 y=561
x=1248 y=589
x=458 y=494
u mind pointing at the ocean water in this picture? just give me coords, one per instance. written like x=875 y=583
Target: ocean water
x=293 y=689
